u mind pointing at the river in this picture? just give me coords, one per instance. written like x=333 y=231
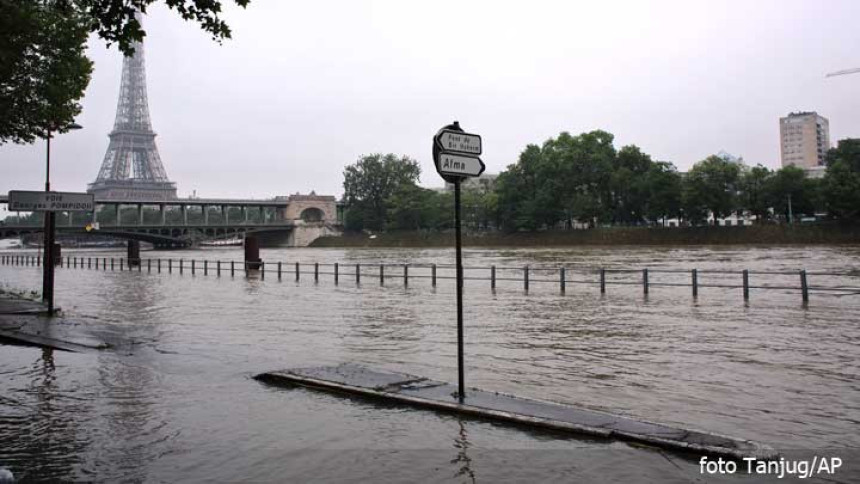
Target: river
x=174 y=399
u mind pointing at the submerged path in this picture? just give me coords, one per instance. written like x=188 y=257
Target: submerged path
x=402 y=388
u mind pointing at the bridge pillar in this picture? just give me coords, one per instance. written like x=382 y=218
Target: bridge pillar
x=245 y=213
x=184 y=215
x=225 y=215
x=262 y=215
x=205 y=215
x=133 y=253
x=163 y=211
x=140 y=214
x=118 y=212
x=252 y=253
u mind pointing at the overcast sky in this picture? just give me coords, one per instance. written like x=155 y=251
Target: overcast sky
x=305 y=88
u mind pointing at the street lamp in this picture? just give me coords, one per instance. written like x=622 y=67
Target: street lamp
x=48 y=245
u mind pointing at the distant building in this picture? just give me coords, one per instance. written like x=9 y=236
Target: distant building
x=804 y=140
x=730 y=158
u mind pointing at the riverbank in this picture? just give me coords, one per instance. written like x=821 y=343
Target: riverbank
x=817 y=234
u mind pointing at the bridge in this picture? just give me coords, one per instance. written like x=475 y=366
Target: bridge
x=294 y=220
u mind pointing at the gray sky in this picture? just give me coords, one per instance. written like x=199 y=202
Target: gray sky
x=305 y=88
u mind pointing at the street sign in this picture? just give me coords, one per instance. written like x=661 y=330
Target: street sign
x=459 y=165
x=458 y=142
x=24 y=201
x=455 y=153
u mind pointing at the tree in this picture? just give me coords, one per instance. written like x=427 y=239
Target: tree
x=663 y=191
x=43 y=67
x=370 y=183
x=841 y=183
x=790 y=185
x=413 y=208
x=628 y=189
x=755 y=185
x=711 y=185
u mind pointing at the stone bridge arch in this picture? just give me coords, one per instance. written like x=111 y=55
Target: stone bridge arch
x=311 y=208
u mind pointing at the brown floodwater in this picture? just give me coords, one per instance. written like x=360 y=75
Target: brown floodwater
x=174 y=400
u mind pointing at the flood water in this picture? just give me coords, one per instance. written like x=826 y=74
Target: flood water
x=174 y=400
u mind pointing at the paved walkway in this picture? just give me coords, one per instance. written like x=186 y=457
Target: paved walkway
x=24 y=321
x=401 y=388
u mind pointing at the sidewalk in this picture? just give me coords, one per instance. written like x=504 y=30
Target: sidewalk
x=24 y=321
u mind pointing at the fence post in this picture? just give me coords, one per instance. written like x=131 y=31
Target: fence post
x=192 y=267
x=645 y=281
x=358 y=273
x=433 y=275
x=74 y=261
x=139 y=265
x=746 y=276
x=90 y=262
x=111 y=263
x=218 y=268
x=695 y=275
x=405 y=275
x=279 y=270
x=804 y=287
x=170 y=266
x=262 y=270
x=336 y=275
x=316 y=272
x=122 y=264
x=232 y=268
x=97 y=263
x=181 y=264
x=561 y=279
x=148 y=266
x=381 y=274
x=297 y=271
x=602 y=281
x=493 y=277
x=526 y=278
x=205 y=267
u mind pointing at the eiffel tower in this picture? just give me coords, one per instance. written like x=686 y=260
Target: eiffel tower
x=132 y=169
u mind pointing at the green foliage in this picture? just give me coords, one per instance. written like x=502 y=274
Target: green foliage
x=369 y=184
x=114 y=20
x=414 y=208
x=755 y=184
x=711 y=185
x=790 y=185
x=43 y=68
x=662 y=191
x=841 y=183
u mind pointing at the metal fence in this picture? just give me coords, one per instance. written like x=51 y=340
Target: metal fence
x=745 y=281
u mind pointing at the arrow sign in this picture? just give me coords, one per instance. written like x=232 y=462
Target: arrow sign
x=459 y=165
x=459 y=142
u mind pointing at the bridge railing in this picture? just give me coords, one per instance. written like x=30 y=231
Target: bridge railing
x=562 y=278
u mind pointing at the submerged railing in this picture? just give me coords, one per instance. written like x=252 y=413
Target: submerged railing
x=646 y=278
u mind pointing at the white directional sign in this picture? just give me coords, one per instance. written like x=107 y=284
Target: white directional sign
x=459 y=142
x=21 y=201
x=459 y=165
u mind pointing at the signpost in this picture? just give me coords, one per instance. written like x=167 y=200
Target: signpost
x=455 y=154
x=50 y=202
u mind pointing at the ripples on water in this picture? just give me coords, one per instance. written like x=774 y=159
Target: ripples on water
x=175 y=401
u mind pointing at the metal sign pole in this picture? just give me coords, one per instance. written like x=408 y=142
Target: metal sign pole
x=455 y=154
x=461 y=392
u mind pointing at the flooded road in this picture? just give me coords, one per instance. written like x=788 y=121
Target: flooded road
x=175 y=402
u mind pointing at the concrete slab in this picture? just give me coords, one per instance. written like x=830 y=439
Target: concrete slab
x=417 y=391
x=21 y=306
